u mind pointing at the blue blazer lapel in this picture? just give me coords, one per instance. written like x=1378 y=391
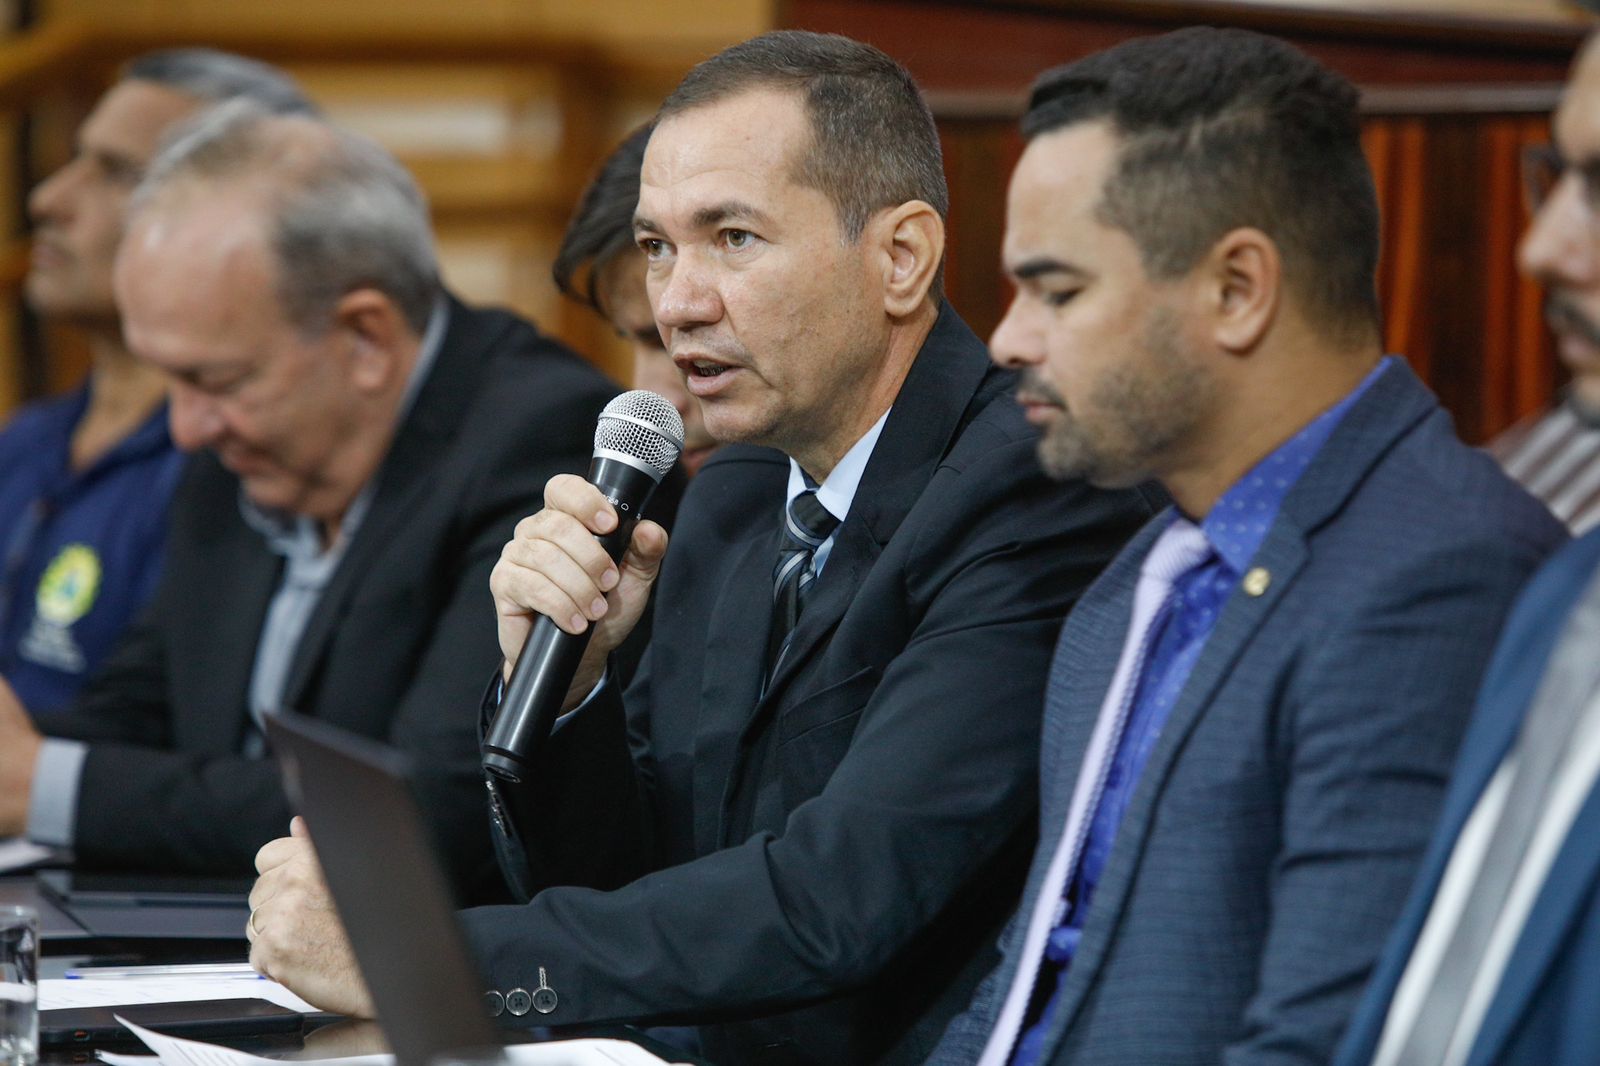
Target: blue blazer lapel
x=1567 y=889
x=1082 y=670
x=1284 y=555
x=1519 y=666
x=1509 y=684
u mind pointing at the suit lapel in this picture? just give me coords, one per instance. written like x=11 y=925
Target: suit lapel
x=1390 y=407
x=1568 y=889
x=1082 y=670
x=403 y=478
x=1284 y=556
x=1519 y=663
x=926 y=416
x=736 y=634
x=242 y=573
x=1527 y=648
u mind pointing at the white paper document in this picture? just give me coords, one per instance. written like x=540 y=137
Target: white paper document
x=582 y=1053
x=175 y=1051
x=119 y=992
x=18 y=853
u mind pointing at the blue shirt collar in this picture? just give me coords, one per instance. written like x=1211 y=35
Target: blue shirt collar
x=838 y=490
x=1238 y=523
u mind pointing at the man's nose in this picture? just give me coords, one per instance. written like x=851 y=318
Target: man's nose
x=689 y=297
x=1563 y=242
x=192 y=418
x=1015 y=343
x=53 y=197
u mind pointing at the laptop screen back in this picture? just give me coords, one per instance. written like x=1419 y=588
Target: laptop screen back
x=387 y=886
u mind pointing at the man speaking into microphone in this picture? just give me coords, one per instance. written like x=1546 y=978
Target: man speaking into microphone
x=804 y=822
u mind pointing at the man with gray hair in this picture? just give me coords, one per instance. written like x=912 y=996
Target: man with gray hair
x=85 y=478
x=366 y=445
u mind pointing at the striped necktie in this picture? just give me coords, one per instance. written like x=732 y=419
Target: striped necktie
x=1541 y=748
x=807 y=524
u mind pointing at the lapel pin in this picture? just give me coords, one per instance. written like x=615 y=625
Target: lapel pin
x=1256 y=581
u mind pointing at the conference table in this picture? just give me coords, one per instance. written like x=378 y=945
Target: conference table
x=106 y=925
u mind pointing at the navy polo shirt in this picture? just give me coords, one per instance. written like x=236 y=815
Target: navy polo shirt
x=79 y=550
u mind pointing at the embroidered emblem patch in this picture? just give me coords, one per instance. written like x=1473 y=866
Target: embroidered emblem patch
x=69 y=586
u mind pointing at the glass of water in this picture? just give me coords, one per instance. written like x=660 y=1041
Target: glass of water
x=19 y=986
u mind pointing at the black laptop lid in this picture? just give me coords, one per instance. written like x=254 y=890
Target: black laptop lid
x=387 y=886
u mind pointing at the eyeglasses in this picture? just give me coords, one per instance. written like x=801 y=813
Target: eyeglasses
x=1543 y=166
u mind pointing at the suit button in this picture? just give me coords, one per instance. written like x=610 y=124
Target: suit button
x=494 y=1003
x=518 y=1001
x=544 y=1000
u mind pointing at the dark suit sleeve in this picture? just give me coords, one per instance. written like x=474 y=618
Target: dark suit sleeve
x=938 y=779
x=968 y=1033
x=1369 y=733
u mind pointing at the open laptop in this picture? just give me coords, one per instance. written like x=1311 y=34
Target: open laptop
x=397 y=910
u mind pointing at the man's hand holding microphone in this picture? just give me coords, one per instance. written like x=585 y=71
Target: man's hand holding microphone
x=556 y=567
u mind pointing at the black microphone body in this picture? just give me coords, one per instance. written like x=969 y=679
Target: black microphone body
x=550 y=657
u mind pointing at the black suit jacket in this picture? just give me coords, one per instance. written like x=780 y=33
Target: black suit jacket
x=826 y=866
x=398 y=644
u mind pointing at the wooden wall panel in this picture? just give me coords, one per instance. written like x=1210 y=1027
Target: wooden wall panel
x=1449 y=103
x=650 y=21
x=500 y=107
x=976 y=45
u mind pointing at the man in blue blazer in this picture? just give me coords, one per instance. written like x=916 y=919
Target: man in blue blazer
x=1529 y=992
x=1251 y=715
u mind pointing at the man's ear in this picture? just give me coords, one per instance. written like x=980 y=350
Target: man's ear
x=380 y=334
x=1242 y=289
x=911 y=238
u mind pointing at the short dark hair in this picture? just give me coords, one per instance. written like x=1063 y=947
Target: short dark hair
x=874 y=144
x=214 y=76
x=602 y=224
x=1224 y=128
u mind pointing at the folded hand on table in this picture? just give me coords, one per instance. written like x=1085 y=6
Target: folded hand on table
x=295 y=934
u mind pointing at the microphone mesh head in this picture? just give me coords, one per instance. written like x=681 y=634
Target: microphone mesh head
x=642 y=425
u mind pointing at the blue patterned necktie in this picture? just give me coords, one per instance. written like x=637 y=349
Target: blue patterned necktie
x=806 y=525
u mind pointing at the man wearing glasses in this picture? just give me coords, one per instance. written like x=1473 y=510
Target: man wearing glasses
x=1496 y=958
x=1556 y=453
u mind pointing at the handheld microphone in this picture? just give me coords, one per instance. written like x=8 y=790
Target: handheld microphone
x=636 y=442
